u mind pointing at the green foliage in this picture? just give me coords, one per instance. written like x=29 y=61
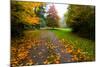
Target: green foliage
x=82 y=20
x=40 y=11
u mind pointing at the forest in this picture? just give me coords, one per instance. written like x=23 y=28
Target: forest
x=43 y=34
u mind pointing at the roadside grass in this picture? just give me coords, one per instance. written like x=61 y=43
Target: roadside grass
x=32 y=33
x=85 y=45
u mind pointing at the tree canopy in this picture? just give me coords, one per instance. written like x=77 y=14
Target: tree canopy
x=82 y=19
x=22 y=14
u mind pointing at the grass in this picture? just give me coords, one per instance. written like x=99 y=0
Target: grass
x=32 y=33
x=86 y=45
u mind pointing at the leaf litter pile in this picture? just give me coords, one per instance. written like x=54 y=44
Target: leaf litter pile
x=43 y=47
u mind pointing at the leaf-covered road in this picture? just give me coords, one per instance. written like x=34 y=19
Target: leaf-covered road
x=51 y=47
x=43 y=47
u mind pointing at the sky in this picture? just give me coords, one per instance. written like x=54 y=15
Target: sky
x=61 y=9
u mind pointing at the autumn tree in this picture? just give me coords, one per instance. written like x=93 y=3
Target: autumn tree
x=22 y=14
x=52 y=17
x=82 y=19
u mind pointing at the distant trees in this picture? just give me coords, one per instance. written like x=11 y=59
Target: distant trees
x=82 y=20
x=52 y=19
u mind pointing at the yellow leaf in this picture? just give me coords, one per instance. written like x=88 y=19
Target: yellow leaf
x=57 y=62
x=78 y=50
x=69 y=50
x=45 y=62
x=30 y=62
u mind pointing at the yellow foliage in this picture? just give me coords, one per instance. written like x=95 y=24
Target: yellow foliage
x=14 y=61
x=22 y=55
x=29 y=46
x=13 y=49
x=45 y=62
x=75 y=58
x=25 y=12
x=32 y=20
x=30 y=62
x=69 y=50
x=78 y=50
x=57 y=62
